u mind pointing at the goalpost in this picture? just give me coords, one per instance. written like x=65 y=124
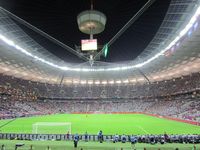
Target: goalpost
x=51 y=128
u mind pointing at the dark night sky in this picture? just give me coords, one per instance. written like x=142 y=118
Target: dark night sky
x=58 y=19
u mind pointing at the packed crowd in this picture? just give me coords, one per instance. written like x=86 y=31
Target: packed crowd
x=177 y=98
x=28 y=90
x=184 y=109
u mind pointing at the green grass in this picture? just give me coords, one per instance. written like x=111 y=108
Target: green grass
x=108 y=123
x=92 y=123
x=68 y=145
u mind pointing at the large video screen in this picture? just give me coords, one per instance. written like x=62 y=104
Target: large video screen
x=89 y=44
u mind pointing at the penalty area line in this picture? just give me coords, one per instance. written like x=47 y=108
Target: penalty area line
x=143 y=129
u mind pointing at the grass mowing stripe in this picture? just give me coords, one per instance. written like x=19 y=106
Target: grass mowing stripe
x=6 y=123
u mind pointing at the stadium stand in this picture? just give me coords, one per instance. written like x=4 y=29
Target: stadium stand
x=25 y=98
x=163 y=81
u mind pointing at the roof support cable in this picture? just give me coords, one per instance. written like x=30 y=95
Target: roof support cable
x=52 y=39
x=127 y=25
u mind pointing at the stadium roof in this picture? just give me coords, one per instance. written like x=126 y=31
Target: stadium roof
x=173 y=52
x=58 y=19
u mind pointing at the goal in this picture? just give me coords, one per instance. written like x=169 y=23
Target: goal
x=51 y=128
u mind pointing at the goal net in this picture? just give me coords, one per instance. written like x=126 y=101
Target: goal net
x=51 y=128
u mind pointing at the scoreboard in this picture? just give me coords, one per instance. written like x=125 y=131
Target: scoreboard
x=89 y=45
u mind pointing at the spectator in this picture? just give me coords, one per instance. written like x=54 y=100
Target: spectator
x=86 y=136
x=123 y=138
x=76 y=139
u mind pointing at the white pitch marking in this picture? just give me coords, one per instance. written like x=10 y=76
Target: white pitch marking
x=143 y=129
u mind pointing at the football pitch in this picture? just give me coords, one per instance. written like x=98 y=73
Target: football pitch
x=139 y=124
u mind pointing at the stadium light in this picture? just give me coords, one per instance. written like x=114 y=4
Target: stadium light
x=104 y=82
x=140 y=79
x=97 y=82
x=192 y=22
x=75 y=81
x=83 y=82
x=125 y=81
x=111 y=82
x=90 y=81
x=53 y=79
x=68 y=81
x=118 y=81
x=133 y=80
x=155 y=77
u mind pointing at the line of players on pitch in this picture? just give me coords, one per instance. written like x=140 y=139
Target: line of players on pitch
x=116 y=138
x=151 y=139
